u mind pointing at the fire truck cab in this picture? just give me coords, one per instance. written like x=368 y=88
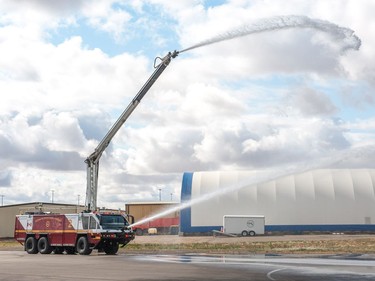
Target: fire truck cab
x=73 y=233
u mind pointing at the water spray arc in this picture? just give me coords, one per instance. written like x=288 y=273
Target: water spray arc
x=346 y=35
x=343 y=35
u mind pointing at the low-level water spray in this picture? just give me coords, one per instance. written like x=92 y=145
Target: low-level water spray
x=257 y=179
x=344 y=35
x=260 y=178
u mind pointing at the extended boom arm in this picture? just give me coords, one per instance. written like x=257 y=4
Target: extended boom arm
x=93 y=160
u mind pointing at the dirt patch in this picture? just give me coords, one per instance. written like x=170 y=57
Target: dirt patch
x=175 y=239
x=287 y=244
x=10 y=245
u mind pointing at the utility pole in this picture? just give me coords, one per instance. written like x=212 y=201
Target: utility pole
x=2 y=199
x=53 y=192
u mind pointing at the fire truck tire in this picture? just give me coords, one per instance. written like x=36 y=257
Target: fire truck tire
x=111 y=248
x=82 y=246
x=31 y=246
x=43 y=246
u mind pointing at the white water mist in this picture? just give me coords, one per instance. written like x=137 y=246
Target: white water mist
x=257 y=179
x=345 y=35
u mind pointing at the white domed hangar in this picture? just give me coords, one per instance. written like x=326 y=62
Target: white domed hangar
x=329 y=200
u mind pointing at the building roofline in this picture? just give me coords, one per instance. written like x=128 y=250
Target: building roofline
x=152 y=203
x=40 y=203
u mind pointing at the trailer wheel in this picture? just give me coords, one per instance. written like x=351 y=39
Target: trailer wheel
x=244 y=233
x=110 y=248
x=82 y=246
x=252 y=233
x=139 y=231
x=31 y=246
x=43 y=246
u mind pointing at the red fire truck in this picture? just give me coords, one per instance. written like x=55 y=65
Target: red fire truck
x=83 y=232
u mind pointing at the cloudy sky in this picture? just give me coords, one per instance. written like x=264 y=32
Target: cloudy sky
x=287 y=98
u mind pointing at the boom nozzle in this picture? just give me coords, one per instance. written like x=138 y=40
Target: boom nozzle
x=174 y=54
x=166 y=60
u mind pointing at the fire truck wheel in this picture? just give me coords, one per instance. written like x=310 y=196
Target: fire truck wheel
x=111 y=248
x=31 y=245
x=43 y=246
x=82 y=246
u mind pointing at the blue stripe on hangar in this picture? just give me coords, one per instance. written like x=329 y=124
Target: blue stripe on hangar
x=185 y=214
x=321 y=227
x=187 y=228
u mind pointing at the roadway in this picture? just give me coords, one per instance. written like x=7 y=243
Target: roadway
x=18 y=265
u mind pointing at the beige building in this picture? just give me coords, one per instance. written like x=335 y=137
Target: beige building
x=141 y=210
x=8 y=213
x=165 y=223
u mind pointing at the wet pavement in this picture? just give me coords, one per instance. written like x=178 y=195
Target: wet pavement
x=18 y=265
x=290 y=267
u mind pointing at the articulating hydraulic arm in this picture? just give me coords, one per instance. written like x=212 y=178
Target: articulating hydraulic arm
x=93 y=160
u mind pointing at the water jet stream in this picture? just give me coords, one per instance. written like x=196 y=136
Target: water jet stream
x=343 y=34
x=346 y=35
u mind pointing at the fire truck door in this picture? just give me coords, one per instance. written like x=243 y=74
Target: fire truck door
x=70 y=229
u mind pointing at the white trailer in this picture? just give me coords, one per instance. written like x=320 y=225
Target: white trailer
x=243 y=225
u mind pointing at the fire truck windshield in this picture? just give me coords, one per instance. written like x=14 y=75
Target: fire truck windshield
x=113 y=221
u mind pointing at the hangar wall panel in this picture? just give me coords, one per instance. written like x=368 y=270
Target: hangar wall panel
x=341 y=199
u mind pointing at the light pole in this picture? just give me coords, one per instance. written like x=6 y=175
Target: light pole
x=171 y=196
x=78 y=202
x=53 y=192
x=159 y=194
x=2 y=199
